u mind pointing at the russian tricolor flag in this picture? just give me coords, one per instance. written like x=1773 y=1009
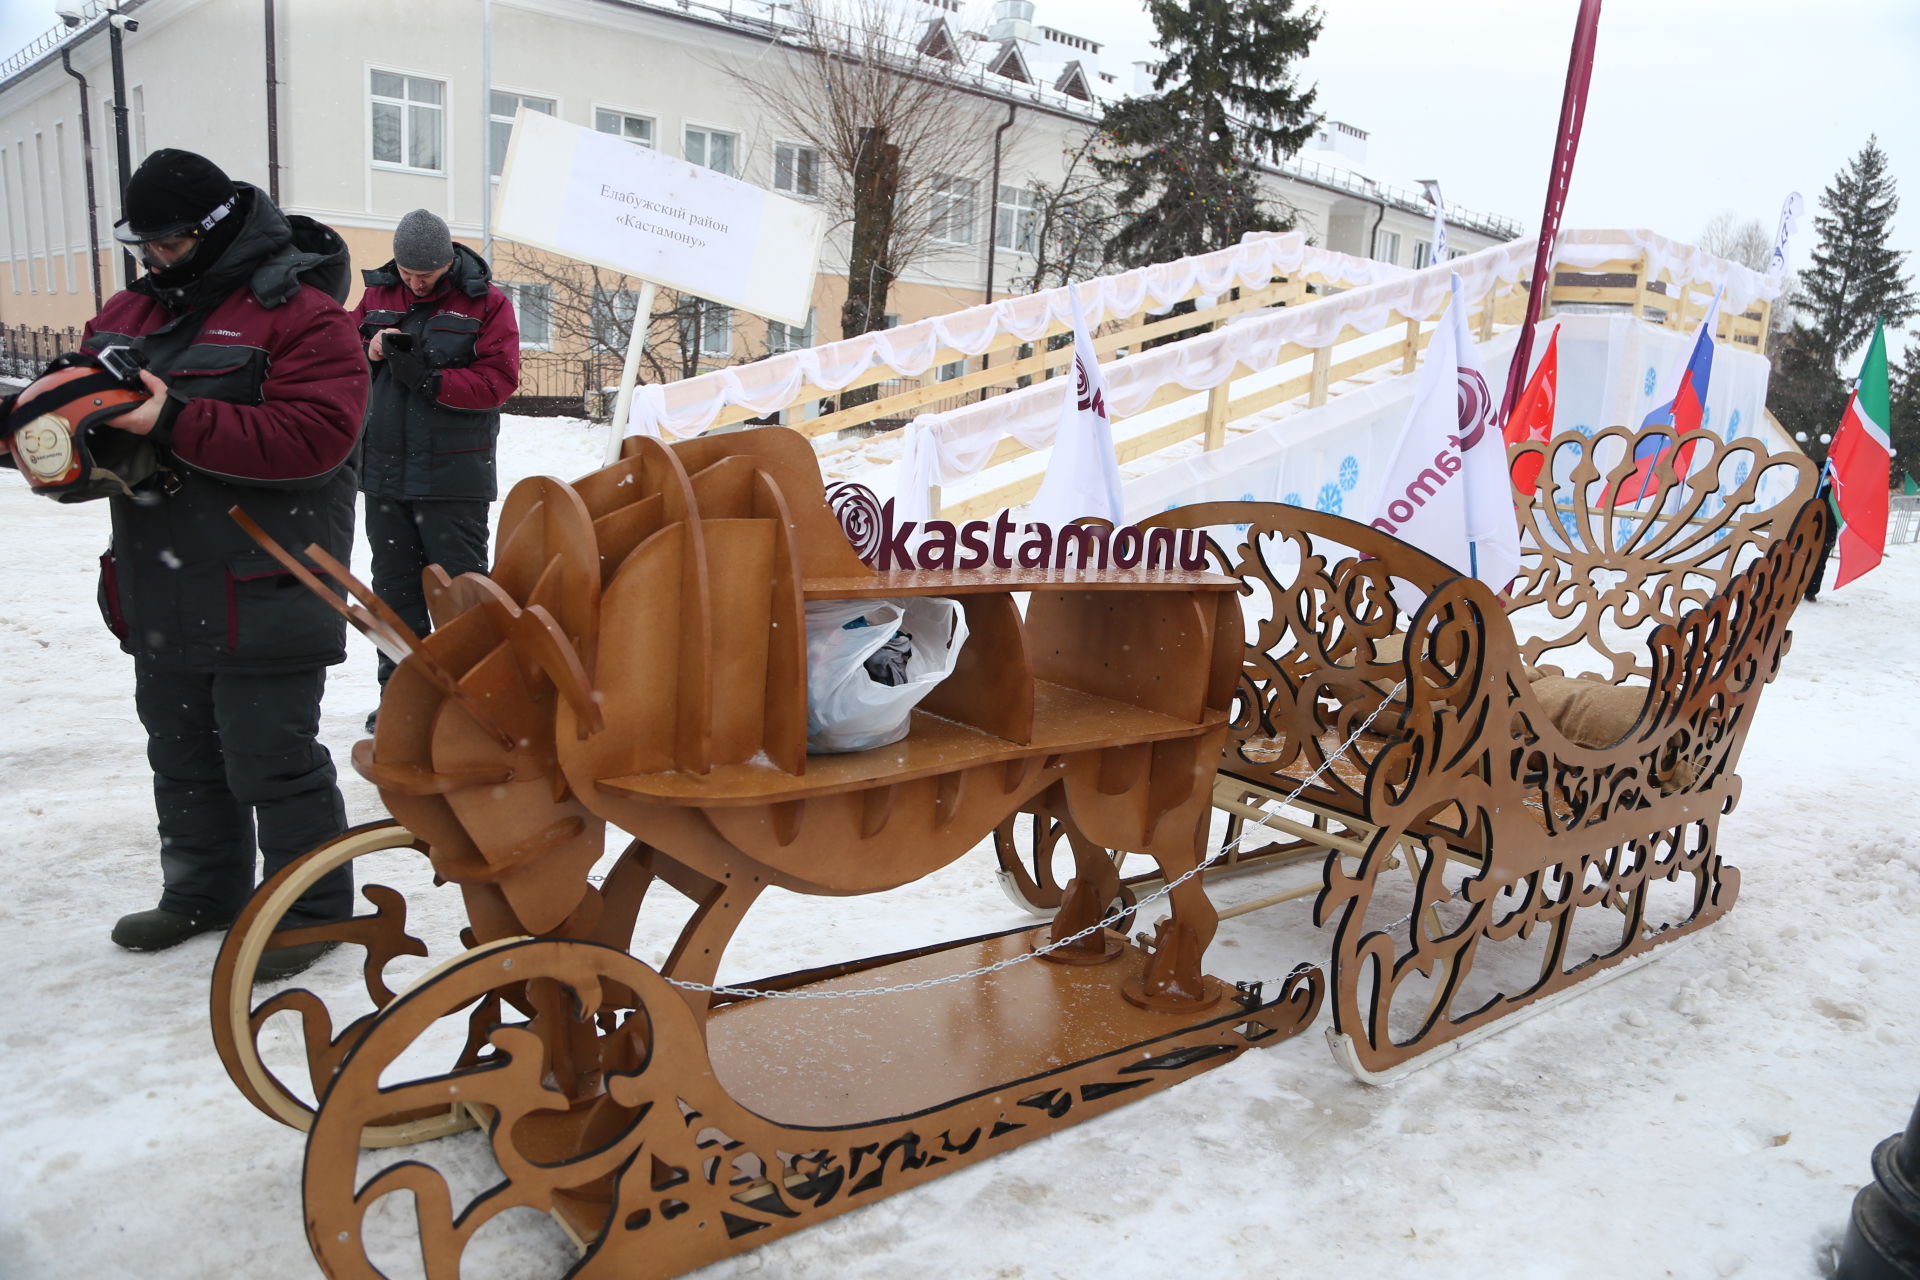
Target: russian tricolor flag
x=1681 y=415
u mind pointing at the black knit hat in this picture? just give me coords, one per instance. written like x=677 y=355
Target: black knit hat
x=174 y=193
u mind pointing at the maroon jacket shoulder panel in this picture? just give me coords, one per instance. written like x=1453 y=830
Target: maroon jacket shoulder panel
x=312 y=398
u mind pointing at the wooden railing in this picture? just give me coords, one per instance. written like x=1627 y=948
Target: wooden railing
x=1658 y=298
x=1351 y=355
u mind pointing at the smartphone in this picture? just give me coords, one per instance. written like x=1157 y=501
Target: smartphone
x=397 y=341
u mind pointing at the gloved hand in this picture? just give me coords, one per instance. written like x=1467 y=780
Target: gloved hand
x=409 y=367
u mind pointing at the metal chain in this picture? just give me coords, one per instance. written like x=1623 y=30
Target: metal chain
x=1110 y=918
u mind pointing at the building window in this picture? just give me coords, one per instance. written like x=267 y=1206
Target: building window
x=408 y=122
x=786 y=337
x=953 y=209
x=533 y=308
x=951 y=370
x=711 y=149
x=715 y=324
x=500 y=109
x=613 y=312
x=1386 y=246
x=1422 y=253
x=796 y=169
x=635 y=129
x=1019 y=223
x=138 y=110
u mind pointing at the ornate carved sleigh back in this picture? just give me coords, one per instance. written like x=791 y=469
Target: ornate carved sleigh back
x=1510 y=828
x=1610 y=549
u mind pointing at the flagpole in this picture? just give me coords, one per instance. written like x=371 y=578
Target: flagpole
x=1573 y=109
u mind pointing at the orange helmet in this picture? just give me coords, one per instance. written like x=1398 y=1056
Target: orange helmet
x=59 y=442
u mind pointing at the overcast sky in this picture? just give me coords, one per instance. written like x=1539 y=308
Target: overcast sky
x=1698 y=106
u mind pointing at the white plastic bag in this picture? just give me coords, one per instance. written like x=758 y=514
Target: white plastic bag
x=847 y=710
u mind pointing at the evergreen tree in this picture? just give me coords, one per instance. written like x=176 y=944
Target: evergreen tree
x=1904 y=430
x=1804 y=392
x=1186 y=160
x=1856 y=278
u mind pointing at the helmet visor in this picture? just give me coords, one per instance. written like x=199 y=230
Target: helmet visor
x=127 y=234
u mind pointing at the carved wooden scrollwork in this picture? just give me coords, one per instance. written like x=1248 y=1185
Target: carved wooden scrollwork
x=1599 y=560
x=1565 y=848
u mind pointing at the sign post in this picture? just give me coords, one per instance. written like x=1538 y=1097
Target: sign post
x=598 y=198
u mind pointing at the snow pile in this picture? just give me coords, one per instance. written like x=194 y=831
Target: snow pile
x=1708 y=1115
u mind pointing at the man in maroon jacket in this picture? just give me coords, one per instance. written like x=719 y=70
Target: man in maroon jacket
x=444 y=347
x=259 y=390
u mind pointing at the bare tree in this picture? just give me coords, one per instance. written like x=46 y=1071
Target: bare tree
x=1073 y=222
x=589 y=312
x=1749 y=244
x=1746 y=243
x=880 y=99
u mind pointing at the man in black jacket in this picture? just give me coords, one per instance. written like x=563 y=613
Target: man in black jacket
x=259 y=389
x=444 y=348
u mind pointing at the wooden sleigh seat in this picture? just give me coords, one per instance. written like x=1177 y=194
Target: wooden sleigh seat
x=1537 y=855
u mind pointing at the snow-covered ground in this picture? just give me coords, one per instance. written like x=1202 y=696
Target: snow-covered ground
x=1708 y=1115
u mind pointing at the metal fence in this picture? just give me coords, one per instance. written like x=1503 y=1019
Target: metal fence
x=1903 y=518
x=25 y=350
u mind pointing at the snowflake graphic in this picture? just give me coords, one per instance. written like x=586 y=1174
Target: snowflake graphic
x=1646 y=385
x=1584 y=430
x=1567 y=523
x=1706 y=419
x=1733 y=424
x=1247 y=497
x=1622 y=530
x=1349 y=472
x=1575 y=448
x=1329 y=499
x=1293 y=499
x=1741 y=470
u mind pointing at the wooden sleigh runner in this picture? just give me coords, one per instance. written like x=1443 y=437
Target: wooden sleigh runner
x=637 y=657
x=1496 y=831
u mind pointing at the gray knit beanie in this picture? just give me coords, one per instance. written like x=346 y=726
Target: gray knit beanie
x=421 y=242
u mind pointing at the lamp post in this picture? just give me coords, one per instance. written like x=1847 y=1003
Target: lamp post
x=117 y=22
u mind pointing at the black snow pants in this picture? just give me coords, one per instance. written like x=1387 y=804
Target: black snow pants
x=233 y=751
x=407 y=537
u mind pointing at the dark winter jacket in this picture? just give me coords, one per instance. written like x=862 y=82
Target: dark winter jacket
x=433 y=414
x=266 y=389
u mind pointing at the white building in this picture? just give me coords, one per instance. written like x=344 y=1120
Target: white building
x=355 y=112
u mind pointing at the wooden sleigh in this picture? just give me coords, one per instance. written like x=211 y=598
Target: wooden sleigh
x=1480 y=853
x=636 y=657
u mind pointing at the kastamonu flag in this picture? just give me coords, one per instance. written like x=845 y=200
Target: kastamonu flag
x=1083 y=475
x=1860 y=465
x=1447 y=490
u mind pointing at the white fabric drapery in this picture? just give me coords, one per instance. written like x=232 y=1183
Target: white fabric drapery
x=1743 y=286
x=677 y=410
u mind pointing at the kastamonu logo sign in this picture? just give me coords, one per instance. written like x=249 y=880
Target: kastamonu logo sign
x=1001 y=543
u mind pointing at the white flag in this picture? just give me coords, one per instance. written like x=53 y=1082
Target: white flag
x=1439 y=221
x=1083 y=476
x=1447 y=490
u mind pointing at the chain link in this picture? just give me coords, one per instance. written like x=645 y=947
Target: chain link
x=756 y=993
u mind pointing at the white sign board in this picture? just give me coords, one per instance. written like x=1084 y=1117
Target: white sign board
x=604 y=200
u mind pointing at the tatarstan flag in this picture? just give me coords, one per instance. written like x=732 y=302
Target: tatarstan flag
x=1860 y=464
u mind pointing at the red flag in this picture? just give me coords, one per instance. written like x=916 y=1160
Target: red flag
x=1533 y=417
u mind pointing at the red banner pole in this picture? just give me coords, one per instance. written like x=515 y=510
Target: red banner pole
x=1573 y=109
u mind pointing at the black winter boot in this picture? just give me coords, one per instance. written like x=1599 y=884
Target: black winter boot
x=284 y=962
x=158 y=929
